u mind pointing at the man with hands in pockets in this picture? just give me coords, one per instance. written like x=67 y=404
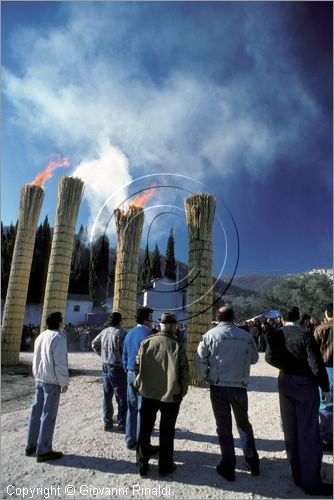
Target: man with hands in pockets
x=223 y=358
x=50 y=370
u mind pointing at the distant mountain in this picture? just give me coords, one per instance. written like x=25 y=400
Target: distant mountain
x=257 y=283
x=241 y=286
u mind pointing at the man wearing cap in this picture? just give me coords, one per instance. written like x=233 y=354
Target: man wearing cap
x=223 y=358
x=162 y=380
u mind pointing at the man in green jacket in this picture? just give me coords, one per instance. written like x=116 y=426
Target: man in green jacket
x=162 y=380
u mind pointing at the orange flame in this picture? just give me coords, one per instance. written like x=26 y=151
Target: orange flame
x=57 y=161
x=140 y=201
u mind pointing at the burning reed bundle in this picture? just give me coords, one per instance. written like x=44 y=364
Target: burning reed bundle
x=70 y=190
x=31 y=198
x=200 y=212
x=129 y=225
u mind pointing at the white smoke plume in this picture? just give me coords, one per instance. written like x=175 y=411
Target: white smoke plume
x=105 y=181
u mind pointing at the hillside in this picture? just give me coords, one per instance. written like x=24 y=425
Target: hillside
x=241 y=286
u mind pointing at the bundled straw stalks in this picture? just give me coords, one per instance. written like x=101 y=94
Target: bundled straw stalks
x=70 y=190
x=129 y=225
x=31 y=198
x=200 y=213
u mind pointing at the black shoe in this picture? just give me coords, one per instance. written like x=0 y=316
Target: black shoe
x=108 y=428
x=30 y=451
x=228 y=475
x=254 y=468
x=132 y=446
x=121 y=428
x=51 y=455
x=325 y=489
x=142 y=471
x=170 y=470
x=153 y=450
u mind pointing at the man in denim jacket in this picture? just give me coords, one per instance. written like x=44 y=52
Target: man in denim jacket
x=223 y=359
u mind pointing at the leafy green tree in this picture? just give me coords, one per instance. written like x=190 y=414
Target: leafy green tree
x=170 y=264
x=99 y=270
x=156 y=263
x=310 y=292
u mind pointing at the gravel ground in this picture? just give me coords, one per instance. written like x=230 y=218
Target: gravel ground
x=98 y=465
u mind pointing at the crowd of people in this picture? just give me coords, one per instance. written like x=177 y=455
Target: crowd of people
x=29 y=333
x=79 y=337
x=147 y=371
x=260 y=327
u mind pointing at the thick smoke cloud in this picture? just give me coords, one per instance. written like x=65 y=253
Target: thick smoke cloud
x=163 y=91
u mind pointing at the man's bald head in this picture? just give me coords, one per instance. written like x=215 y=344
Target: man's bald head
x=225 y=313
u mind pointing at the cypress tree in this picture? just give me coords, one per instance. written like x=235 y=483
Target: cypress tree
x=99 y=270
x=46 y=241
x=74 y=284
x=7 y=249
x=156 y=264
x=39 y=266
x=3 y=262
x=112 y=266
x=170 y=267
x=146 y=268
x=83 y=285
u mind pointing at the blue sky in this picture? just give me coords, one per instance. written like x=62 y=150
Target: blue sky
x=234 y=95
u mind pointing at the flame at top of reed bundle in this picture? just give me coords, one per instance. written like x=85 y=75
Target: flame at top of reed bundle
x=57 y=161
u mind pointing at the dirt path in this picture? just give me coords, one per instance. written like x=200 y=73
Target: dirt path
x=98 y=465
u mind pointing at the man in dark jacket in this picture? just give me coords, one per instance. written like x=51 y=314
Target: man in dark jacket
x=162 y=380
x=302 y=369
x=109 y=345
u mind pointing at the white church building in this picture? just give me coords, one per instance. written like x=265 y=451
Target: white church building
x=164 y=294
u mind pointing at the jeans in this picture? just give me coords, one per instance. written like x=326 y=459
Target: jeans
x=114 y=382
x=148 y=412
x=326 y=423
x=43 y=417
x=133 y=414
x=223 y=399
x=329 y=370
x=299 y=404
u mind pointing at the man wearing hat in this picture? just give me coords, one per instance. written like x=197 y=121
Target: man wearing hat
x=162 y=380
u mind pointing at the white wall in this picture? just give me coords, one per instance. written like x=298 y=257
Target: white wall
x=33 y=312
x=75 y=317
x=163 y=297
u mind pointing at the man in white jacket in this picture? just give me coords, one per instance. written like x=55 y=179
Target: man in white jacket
x=50 y=370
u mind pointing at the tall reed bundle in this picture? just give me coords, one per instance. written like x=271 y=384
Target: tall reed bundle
x=70 y=190
x=31 y=198
x=129 y=225
x=200 y=213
